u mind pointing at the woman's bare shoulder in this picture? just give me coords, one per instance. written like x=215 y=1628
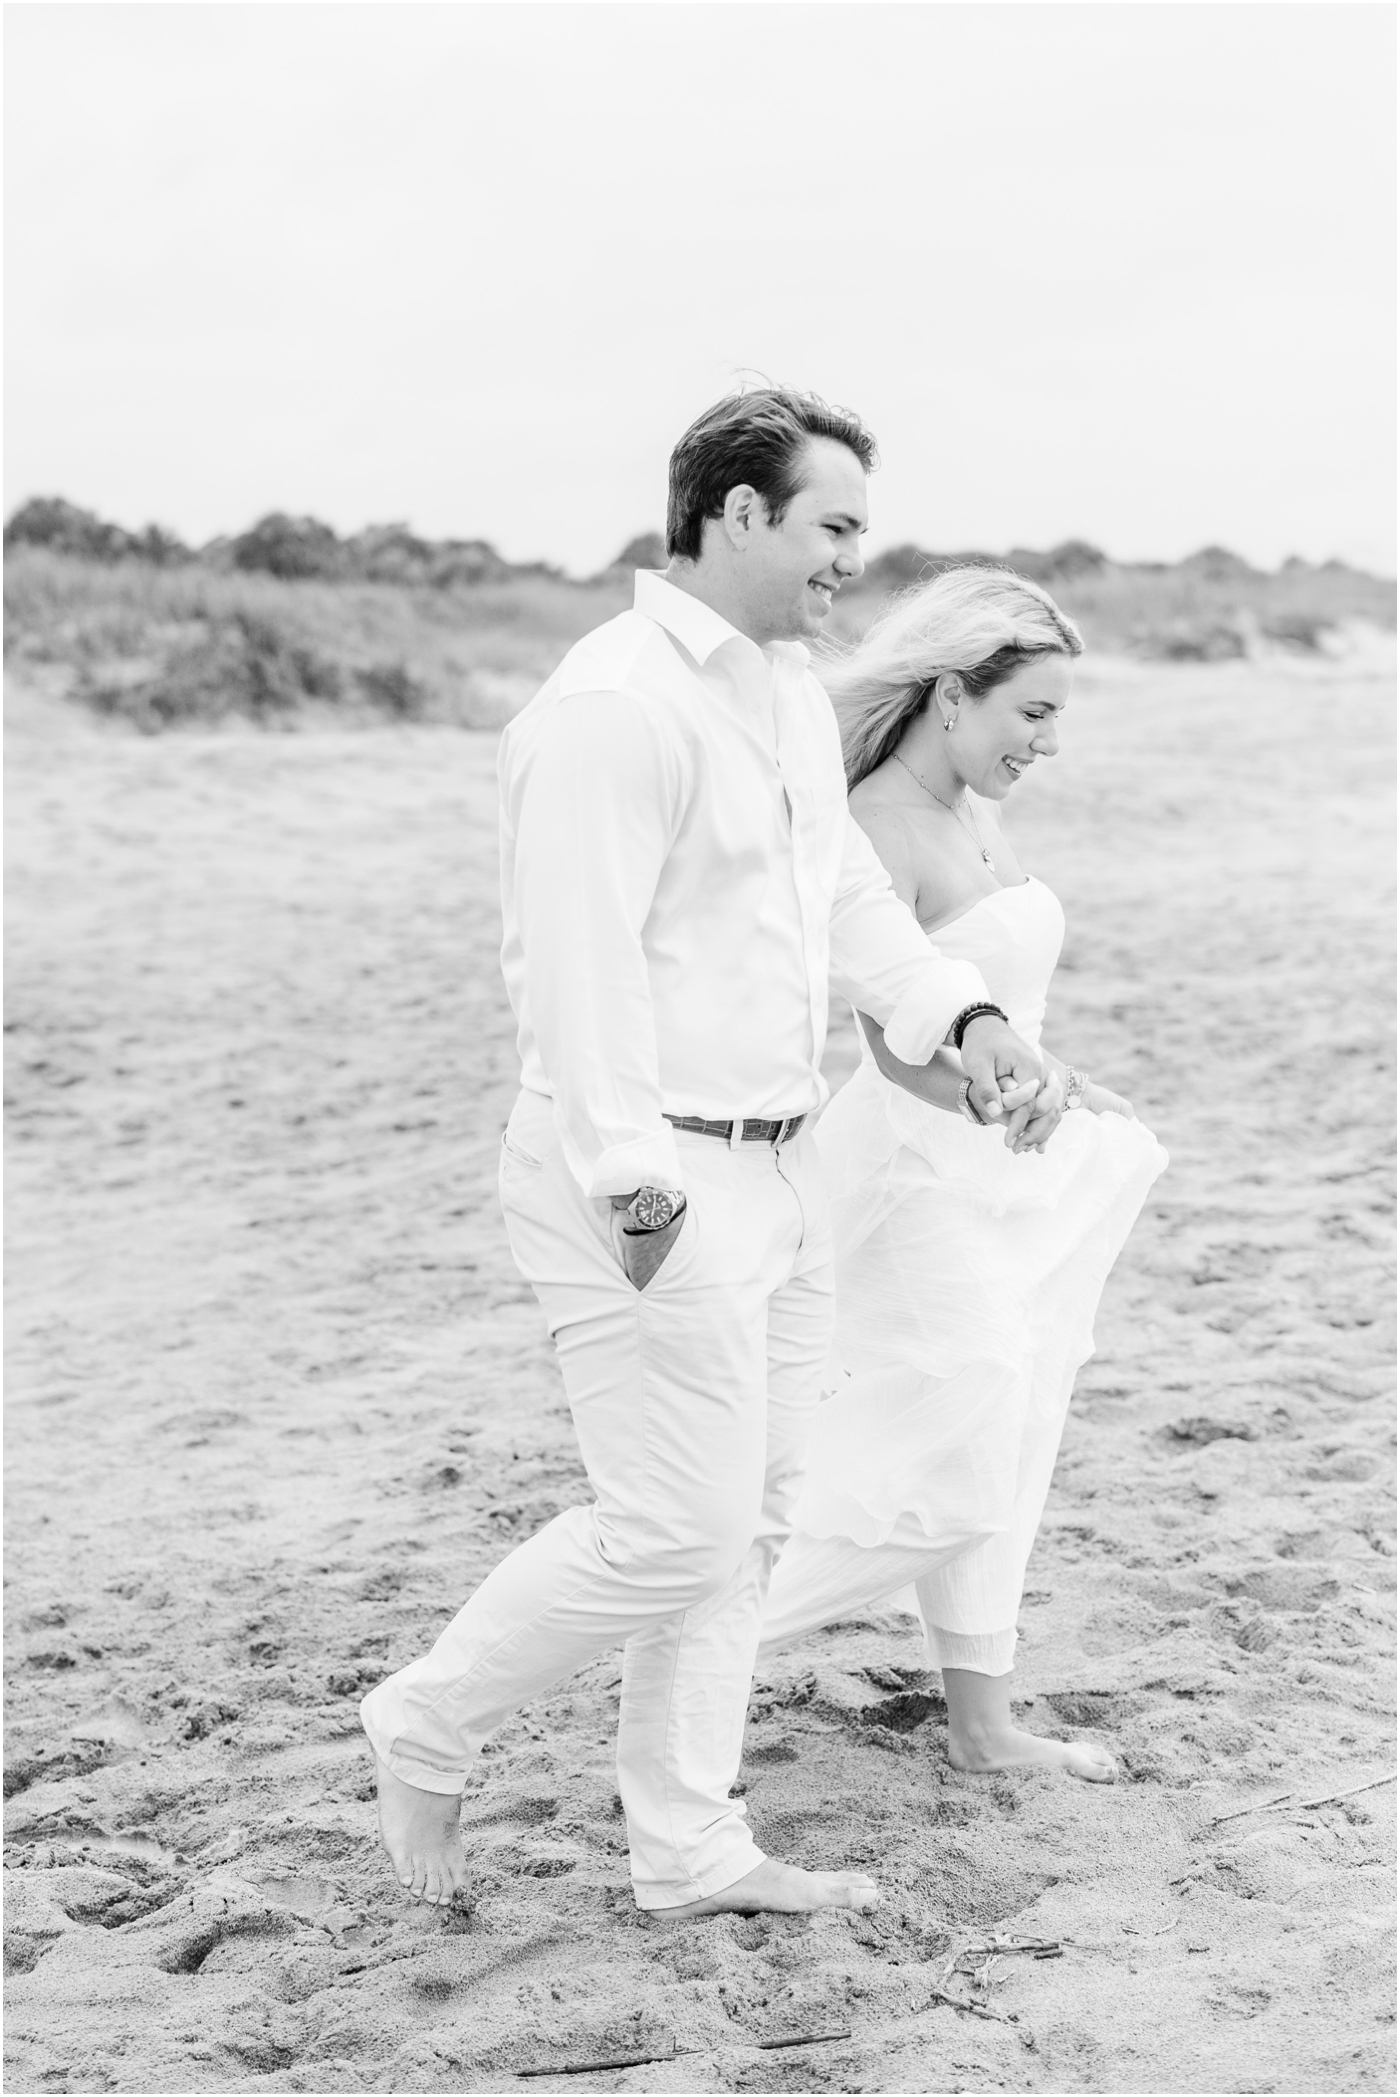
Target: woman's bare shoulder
x=885 y=820
x=887 y=825
x=920 y=862
x=871 y=800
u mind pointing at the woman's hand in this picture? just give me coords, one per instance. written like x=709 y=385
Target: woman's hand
x=1047 y=1109
x=1099 y=1100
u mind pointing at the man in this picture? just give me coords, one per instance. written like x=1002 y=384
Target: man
x=680 y=883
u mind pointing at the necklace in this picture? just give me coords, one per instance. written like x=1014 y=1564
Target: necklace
x=958 y=809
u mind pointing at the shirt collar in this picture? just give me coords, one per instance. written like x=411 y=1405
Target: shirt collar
x=699 y=629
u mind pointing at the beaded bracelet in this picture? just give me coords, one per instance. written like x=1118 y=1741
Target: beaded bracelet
x=967 y=1015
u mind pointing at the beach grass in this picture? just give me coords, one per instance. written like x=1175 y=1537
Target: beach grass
x=197 y=643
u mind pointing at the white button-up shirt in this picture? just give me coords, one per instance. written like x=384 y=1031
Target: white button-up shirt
x=681 y=883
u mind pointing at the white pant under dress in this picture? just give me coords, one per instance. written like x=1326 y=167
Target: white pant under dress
x=953 y=1583
x=692 y=1402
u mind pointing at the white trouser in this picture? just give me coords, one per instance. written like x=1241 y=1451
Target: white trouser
x=692 y=1402
x=968 y=1592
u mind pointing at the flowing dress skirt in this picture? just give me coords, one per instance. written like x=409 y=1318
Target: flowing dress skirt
x=967 y=1282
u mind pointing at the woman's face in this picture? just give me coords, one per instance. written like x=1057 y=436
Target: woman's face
x=998 y=738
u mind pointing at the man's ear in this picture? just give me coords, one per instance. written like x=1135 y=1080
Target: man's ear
x=744 y=507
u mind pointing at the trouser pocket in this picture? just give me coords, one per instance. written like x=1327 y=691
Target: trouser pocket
x=679 y=1257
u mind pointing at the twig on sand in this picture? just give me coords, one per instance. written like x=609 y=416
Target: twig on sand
x=805 y=2038
x=1304 y=1805
x=676 y=2053
x=1000 y=1945
x=1258 y=1807
x=616 y=2060
x=1333 y=1796
x=971 y=2009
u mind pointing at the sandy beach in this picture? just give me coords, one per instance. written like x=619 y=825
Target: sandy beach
x=278 y=1399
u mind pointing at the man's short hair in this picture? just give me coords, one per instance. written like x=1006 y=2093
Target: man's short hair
x=754 y=439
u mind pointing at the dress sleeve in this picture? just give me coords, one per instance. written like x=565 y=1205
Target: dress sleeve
x=884 y=964
x=595 y=818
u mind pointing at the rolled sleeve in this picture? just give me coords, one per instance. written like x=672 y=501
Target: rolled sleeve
x=594 y=818
x=883 y=962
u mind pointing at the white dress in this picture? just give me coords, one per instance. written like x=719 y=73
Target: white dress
x=967 y=1279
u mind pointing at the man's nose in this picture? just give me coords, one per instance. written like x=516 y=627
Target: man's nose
x=848 y=562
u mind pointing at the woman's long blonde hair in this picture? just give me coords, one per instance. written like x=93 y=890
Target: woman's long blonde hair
x=982 y=622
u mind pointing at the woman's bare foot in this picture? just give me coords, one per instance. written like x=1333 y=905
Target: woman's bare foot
x=421 y=1830
x=780 y=1889
x=1013 y=1749
x=982 y=1735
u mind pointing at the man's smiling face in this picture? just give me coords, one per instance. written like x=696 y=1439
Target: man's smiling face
x=793 y=569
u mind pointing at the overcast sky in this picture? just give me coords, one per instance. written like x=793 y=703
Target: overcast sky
x=1117 y=271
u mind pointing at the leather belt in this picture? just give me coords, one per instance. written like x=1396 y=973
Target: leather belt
x=741 y=1132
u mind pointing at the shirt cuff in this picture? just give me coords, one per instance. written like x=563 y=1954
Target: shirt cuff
x=647 y=1161
x=921 y=1019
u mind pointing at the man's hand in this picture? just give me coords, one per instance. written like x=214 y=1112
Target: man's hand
x=1006 y=1075
x=643 y=1252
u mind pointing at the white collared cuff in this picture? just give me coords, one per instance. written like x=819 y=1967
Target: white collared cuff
x=921 y=1019
x=648 y=1161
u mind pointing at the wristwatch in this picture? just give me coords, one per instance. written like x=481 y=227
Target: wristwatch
x=965 y=1105
x=651 y=1209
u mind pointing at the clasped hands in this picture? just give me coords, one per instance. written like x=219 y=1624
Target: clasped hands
x=1020 y=1092
x=1012 y=1089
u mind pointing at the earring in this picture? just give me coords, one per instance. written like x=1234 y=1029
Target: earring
x=950 y=723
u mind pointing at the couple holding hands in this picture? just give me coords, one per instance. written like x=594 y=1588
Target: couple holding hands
x=811 y=1363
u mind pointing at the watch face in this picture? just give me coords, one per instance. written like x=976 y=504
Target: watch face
x=653 y=1208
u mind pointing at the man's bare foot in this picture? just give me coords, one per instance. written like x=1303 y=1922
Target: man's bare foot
x=421 y=1830
x=780 y=1889
x=1010 y=1748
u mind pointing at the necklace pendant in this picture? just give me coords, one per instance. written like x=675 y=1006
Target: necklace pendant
x=987 y=855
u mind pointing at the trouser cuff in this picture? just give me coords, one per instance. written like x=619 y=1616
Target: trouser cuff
x=976 y=1652
x=422 y=1776
x=743 y=1859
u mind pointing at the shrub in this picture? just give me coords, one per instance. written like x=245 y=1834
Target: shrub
x=647 y=550
x=50 y=521
x=391 y=689
x=243 y=665
x=289 y=547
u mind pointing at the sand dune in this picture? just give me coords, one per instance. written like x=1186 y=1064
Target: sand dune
x=278 y=1399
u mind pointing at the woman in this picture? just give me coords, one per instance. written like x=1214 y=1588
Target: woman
x=969 y=1265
